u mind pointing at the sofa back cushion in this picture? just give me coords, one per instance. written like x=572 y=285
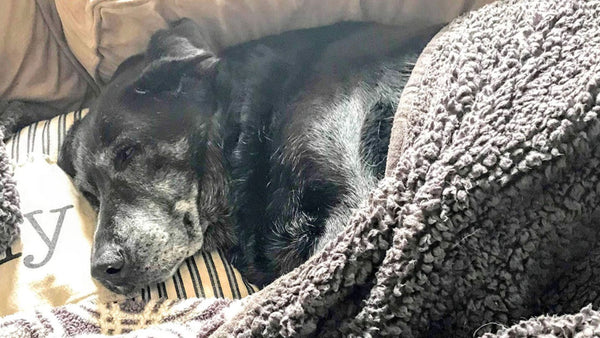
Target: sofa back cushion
x=102 y=33
x=36 y=63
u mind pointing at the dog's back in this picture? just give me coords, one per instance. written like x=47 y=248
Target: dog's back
x=309 y=138
x=269 y=145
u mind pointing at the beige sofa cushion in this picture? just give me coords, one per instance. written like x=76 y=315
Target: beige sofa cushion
x=102 y=33
x=33 y=66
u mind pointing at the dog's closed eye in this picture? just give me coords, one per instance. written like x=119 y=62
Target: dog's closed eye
x=124 y=155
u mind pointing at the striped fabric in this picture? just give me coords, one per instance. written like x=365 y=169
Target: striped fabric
x=43 y=137
x=203 y=275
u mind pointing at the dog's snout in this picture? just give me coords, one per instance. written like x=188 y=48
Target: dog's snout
x=109 y=264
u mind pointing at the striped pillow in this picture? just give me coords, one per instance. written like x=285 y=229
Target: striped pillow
x=43 y=137
x=54 y=209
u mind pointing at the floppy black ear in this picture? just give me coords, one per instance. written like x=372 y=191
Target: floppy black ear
x=173 y=52
x=65 y=156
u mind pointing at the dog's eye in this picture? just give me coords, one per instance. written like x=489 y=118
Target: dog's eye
x=123 y=157
x=127 y=152
x=91 y=198
x=141 y=91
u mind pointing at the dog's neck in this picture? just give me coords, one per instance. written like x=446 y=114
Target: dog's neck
x=220 y=137
x=213 y=203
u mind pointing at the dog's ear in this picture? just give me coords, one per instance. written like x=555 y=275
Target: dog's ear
x=173 y=52
x=65 y=157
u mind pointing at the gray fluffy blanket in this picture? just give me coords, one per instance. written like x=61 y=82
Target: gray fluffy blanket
x=10 y=214
x=490 y=211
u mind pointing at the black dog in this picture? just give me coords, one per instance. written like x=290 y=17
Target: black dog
x=262 y=152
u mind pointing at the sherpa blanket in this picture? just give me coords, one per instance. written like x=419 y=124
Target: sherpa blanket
x=488 y=214
x=10 y=214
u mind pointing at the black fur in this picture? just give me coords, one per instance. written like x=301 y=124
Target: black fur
x=279 y=208
x=287 y=134
x=15 y=115
x=375 y=135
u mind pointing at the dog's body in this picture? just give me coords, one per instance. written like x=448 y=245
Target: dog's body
x=263 y=153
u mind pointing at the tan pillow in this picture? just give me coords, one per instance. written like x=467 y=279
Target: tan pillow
x=50 y=264
x=33 y=66
x=102 y=33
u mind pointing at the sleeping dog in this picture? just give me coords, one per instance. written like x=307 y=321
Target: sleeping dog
x=262 y=150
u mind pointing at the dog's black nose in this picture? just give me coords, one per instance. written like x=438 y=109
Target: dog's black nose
x=108 y=263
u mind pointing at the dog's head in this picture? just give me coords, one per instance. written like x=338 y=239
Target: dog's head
x=135 y=157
